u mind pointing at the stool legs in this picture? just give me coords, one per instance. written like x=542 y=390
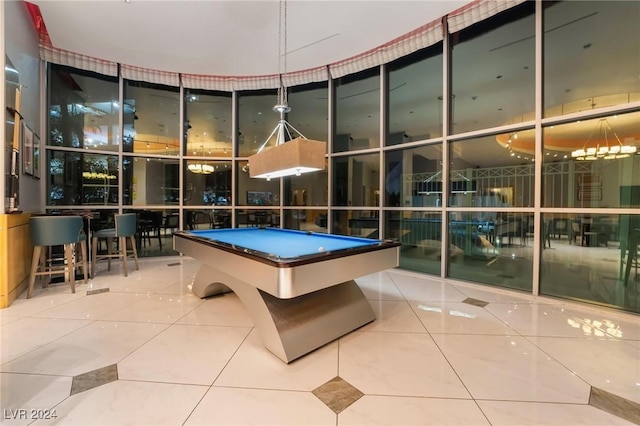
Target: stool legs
x=71 y=259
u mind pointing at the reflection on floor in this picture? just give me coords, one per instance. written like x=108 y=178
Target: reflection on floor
x=143 y=350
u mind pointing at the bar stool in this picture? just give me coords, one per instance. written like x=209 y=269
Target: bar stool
x=125 y=229
x=49 y=231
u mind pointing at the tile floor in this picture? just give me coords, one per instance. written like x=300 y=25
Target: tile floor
x=148 y=352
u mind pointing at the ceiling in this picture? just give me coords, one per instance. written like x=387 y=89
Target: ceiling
x=232 y=37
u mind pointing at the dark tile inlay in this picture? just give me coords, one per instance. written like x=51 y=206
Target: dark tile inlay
x=97 y=291
x=475 y=302
x=337 y=394
x=173 y=264
x=616 y=405
x=93 y=379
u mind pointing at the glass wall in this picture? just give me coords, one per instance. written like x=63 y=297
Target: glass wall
x=570 y=42
x=415 y=97
x=357 y=111
x=187 y=175
x=493 y=70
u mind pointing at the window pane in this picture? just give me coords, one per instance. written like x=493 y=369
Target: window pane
x=360 y=223
x=593 y=257
x=208 y=123
x=356 y=180
x=204 y=187
x=421 y=236
x=83 y=109
x=308 y=189
x=151 y=181
x=408 y=172
x=597 y=180
x=491 y=171
x=256 y=192
x=256 y=120
x=357 y=112
x=493 y=64
x=309 y=110
x=76 y=178
x=492 y=248
x=603 y=63
x=415 y=84
x=257 y=217
x=152 y=118
x=306 y=219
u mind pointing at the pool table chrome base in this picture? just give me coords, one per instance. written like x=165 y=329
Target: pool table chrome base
x=291 y=328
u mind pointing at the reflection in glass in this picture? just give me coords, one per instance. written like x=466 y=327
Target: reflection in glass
x=421 y=236
x=603 y=64
x=151 y=122
x=208 y=123
x=256 y=120
x=309 y=110
x=356 y=180
x=493 y=248
x=493 y=64
x=305 y=219
x=415 y=84
x=151 y=181
x=569 y=181
x=212 y=188
x=255 y=192
x=267 y=217
x=489 y=172
x=78 y=178
x=83 y=109
x=593 y=257
x=357 y=111
x=407 y=173
x=360 y=223
x=310 y=189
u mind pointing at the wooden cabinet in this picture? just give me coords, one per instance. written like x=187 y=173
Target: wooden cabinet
x=15 y=256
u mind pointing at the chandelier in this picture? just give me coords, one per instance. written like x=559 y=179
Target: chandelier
x=200 y=168
x=290 y=156
x=596 y=151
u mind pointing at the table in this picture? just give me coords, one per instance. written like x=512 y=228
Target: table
x=298 y=286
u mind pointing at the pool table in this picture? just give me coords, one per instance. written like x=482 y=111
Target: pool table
x=298 y=286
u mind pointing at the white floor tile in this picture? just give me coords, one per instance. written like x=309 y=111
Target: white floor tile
x=97 y=345
x=403 y=364
x=93 y=307
x=130 y=403
x=25 y=397
x=22 y=336
x=225 y=310
x=503 y=413
x=189 y=354
x=379 y=286
x=253 y=366
x=607 y=364
x=542 y=320
x=394 y=316
x=494 y=295
x=165 y=309
x=260 y=407
x=510 y=368
x=420 y=289
x=373 y=410
x=458 y=318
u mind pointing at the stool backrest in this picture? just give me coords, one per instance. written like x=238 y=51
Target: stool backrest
x=125 y=224
x=56 y=230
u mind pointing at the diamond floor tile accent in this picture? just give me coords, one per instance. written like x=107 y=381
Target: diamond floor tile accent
x=93 y=379
x=475 y=302
x=337 y=394
x=614 y=404
x=97 y=291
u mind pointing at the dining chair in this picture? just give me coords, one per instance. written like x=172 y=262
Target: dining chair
x=48 y=232
x=125 y=229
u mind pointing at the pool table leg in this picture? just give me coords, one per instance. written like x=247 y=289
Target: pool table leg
x=291 y=328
